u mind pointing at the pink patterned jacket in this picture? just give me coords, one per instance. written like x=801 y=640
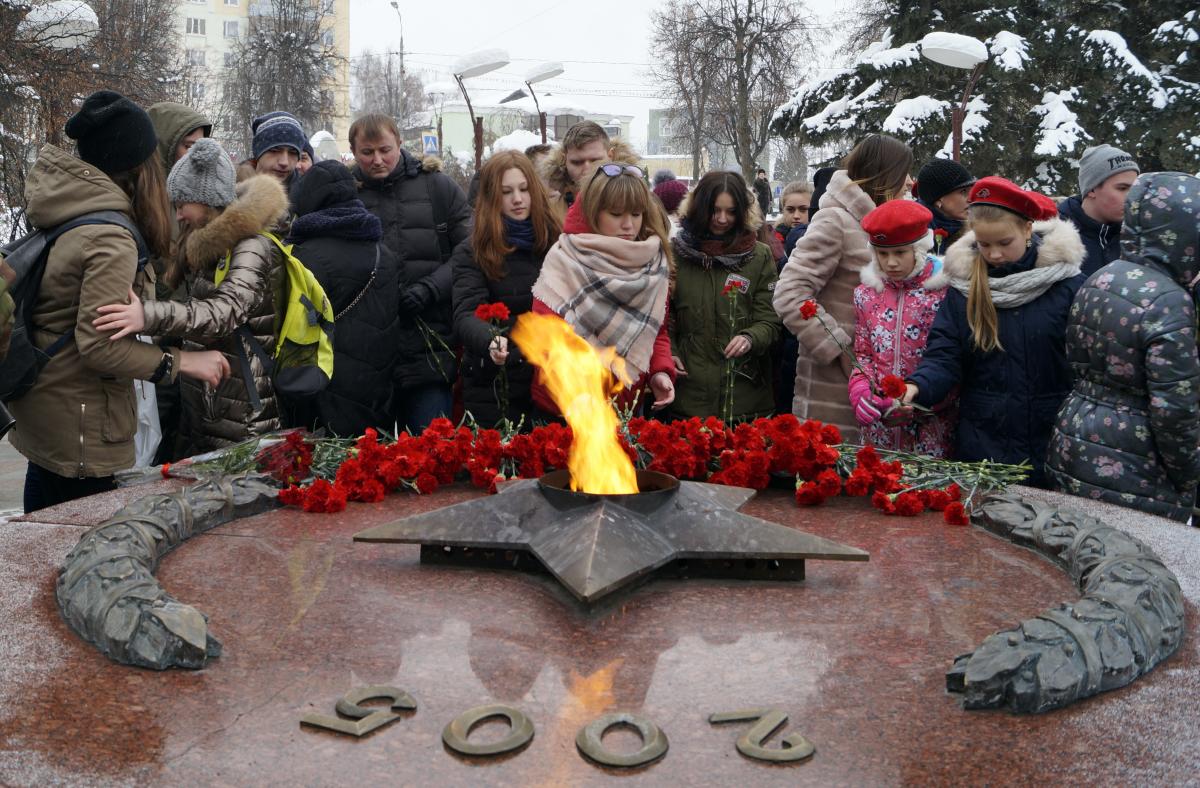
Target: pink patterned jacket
x=891 y=324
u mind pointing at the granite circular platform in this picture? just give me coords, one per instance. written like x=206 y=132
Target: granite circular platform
x=856 y=655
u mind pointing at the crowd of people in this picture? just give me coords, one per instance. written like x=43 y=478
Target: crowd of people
x=1024 y=331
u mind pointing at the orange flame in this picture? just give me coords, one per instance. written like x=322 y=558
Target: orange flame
x=579 y=380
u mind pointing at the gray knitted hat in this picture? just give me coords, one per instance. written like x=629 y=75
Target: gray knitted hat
x=1100 y=162
x=204 y=175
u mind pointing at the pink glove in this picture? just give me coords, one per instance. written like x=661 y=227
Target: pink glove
x=868 y=408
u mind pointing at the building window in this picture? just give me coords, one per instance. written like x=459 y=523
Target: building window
x=195 y=57
x=327 y=38
x=195 y=27
x=231 y=2
x=196 y=91
x=231 y=29
x=230 y=59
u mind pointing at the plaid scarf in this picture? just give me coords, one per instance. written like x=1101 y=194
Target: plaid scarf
x=611 y=291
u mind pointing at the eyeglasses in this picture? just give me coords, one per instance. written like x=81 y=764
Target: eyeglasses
x=613 y=170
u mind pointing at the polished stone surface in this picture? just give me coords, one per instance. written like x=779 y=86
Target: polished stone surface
x=856 y=655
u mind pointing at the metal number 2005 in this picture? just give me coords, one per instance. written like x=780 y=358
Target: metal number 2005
x=456 y=735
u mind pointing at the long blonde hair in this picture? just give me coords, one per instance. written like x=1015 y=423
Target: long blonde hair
x=981 y=310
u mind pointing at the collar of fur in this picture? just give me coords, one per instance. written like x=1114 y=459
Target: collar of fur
x=846 y=194
x=930 y=276
x=259 y=204
x=1061 y=244
x=555 y=166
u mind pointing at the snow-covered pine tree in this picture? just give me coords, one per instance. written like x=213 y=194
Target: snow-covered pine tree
x=1061 y=76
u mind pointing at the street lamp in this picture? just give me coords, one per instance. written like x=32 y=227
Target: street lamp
x=474 y=65
x=541 y=74
x=396 y=8
x=63 y=25
x=957 y=51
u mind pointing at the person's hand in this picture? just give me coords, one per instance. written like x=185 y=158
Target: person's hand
x=663 y=390
x=124 y=319
x=416 y=298
x=847 y=365
x=680 y=372
x=209 y=366
x=498 y=350
x=910 y=393
x=869 y=408
x=739 y=346
x=898 y=415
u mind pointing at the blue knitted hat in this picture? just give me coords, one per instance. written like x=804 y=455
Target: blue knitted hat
x=275 y=129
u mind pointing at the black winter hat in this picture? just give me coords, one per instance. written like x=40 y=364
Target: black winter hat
x=326 y=184
x=112 y=133
x=939 y=177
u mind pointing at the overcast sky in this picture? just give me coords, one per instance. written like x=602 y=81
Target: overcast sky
x=602 y=50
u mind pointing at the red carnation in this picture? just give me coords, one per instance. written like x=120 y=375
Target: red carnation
x=488 y=312
x=427 y=484
x=809 y=494
x=829 y=483
x=725 y=290
x=955 y=514
x=859 y=484
x=883 y=503
x=808 y=310
x=166 y=470
x=908 y=504
x=893 y=386
x=831 y=435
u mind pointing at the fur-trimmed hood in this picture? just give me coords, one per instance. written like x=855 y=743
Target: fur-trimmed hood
x=554 y=168
x=259 y=205
x=1060 y=244
x=931 y=276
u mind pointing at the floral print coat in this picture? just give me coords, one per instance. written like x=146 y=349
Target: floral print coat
x=891 y=323
x=1130 y=430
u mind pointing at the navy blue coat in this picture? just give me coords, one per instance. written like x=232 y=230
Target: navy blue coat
x=1102 y=240
x=1007 y=398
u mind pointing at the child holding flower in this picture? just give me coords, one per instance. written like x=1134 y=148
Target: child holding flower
x=894 y=308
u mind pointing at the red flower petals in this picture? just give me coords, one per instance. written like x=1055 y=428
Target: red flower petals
x=893 y=386
x=489 y=312
x=808 y=310
x=956 y=514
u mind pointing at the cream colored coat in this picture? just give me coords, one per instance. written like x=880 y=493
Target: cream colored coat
x=826 y=266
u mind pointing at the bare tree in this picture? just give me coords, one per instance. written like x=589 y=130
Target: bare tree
x=135 y=52
x=687 y=69
x=758 y=44
x=287 y=61
x=378 y=88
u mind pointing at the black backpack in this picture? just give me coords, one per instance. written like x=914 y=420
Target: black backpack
x=27 y=257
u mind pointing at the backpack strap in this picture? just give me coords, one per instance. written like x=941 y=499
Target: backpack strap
x=440 y=225
x=247 y=339
x=85 y=220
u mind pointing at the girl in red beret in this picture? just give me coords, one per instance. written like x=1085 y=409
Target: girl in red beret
x=1000 y=334
x=894 y=308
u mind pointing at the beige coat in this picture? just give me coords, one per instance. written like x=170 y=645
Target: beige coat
x=80 y=417
x=248 y=295
x=826 y=265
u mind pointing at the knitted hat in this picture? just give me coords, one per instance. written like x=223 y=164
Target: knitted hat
x=897 y=223
x=671 y=193
x=276 y=129
x=939 y=177
x=112 y=133
x=1099 y=163
x=327 y=184
x=1003 y=193
x=204 y=175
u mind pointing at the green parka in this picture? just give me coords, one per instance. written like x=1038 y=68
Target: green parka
x=704 y=318
x=80 y=417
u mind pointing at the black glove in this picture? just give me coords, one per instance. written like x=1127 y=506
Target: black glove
x=415 y=298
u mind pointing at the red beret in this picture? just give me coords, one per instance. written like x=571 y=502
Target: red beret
x=1003 y=193
x=897 y=223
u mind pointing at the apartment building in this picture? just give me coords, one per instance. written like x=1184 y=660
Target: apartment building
x=210 y=30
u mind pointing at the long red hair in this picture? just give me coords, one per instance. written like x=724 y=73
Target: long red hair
x=488 y=239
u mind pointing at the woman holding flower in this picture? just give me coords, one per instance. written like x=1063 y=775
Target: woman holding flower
x=494 y=272
x=724 y=326
x=824 y=267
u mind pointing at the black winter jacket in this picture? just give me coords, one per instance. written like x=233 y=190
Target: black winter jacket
x=403 y=203
x=1008 y=398
x=472 y=288
x=364 y=339
x=1130 y=430
x=1102 y=240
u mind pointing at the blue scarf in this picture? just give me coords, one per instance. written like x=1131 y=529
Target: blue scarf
x=349 y=221
x=518 y=233
x=952 y=228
